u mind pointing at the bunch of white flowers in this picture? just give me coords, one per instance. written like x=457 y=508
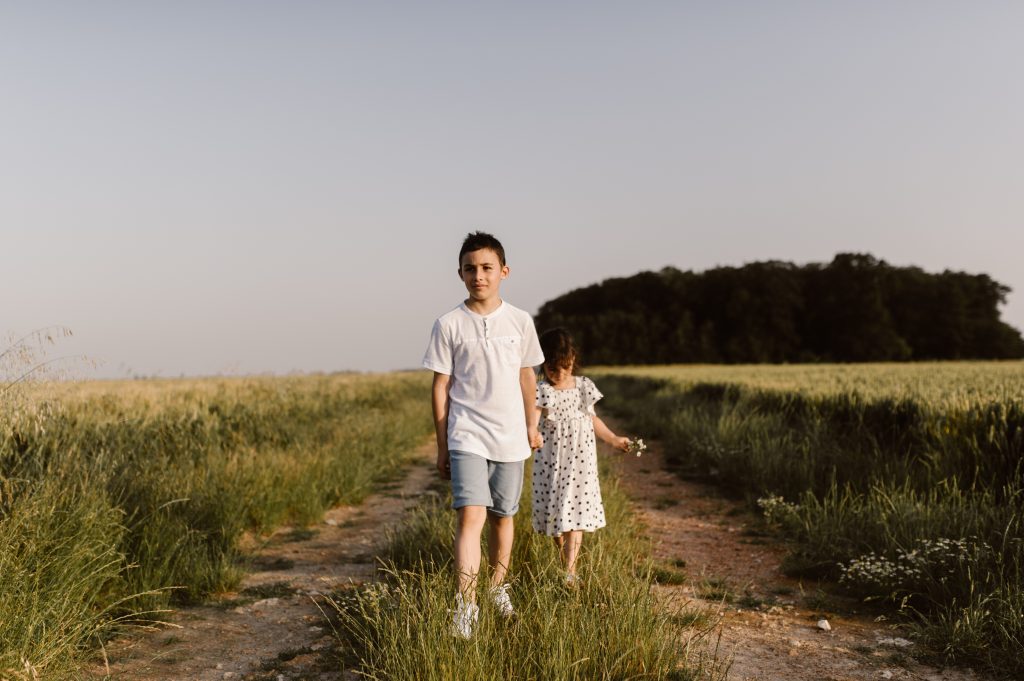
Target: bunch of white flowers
x=636 y=446
x=936 y=559
x=877 y=573
x=777 y=510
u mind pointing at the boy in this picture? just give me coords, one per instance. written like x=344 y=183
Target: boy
x=482 y=354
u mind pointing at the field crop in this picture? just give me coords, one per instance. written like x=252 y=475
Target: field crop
x=118 y=498
x=904 y=482
x=940 y=384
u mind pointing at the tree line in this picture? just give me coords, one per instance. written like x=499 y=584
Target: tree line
x=856 y=308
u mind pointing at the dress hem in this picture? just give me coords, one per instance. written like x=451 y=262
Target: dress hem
x=571 y=529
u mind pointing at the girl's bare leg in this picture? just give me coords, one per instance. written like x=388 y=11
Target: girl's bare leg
x=499 y=546
x=570 y=546
x=469 y=523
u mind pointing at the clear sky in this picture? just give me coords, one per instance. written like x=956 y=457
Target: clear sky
x=234 y=187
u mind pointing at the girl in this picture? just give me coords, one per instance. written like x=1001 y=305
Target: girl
x=566 y=491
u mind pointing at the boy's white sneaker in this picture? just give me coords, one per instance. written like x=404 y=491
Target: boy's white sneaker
x=499 y=595
x=464 y=618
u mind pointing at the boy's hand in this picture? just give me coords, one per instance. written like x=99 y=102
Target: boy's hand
x=621 y=443
x=534 y=436
x=444 y=464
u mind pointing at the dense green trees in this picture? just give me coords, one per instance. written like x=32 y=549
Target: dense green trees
x=855 y=309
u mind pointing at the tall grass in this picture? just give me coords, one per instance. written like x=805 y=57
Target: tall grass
x=612 y=627
x=905 y=493
x=120 y=498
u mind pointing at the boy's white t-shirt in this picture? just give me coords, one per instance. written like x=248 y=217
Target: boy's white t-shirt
x=483 y=354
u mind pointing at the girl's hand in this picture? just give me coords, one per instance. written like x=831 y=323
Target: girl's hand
x=535 y=438
x=621 y=443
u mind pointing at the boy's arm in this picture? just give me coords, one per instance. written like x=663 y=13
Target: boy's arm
x=606 y=434
x=439 y=402
x=528 y=384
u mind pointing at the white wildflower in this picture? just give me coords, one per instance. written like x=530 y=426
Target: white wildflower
x=636 y=446
x=777 y=510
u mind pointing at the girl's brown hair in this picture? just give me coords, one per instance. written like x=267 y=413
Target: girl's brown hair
x=559 y=350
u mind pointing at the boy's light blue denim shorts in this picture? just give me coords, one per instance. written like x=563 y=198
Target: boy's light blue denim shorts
x=477 y=481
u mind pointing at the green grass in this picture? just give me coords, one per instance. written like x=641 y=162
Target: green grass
x=905 y=481
x=611 y=627
x=118 y=499
x=715 y=589
x=662 y=574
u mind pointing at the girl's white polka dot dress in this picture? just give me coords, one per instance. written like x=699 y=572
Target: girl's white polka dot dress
x=566 y=491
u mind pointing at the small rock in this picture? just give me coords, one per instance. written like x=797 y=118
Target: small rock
x=895 y=641
x=824 y=625
x=795 y=643
x=266 y=603
x=241 y=610
x=315 y=630
x=886 y=674
x=332 y=522
x=280 y=677
x=220 y=666
x=793 y=652
x=229 y=675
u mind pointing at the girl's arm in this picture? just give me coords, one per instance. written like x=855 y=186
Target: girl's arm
x=606 y=434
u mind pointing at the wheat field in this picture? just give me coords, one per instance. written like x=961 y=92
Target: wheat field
x=904 y=482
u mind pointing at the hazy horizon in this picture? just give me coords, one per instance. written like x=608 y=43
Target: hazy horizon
x=216 y=187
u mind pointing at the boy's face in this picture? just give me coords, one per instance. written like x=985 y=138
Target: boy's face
x=482 y=272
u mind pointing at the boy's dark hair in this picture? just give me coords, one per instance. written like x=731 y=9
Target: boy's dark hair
x=477 y=240
x=559 y=350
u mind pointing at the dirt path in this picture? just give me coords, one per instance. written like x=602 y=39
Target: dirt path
x=273 y=627
x=768 y=621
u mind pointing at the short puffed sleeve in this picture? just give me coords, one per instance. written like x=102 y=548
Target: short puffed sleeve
x=590 y=394
x=545 y=395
